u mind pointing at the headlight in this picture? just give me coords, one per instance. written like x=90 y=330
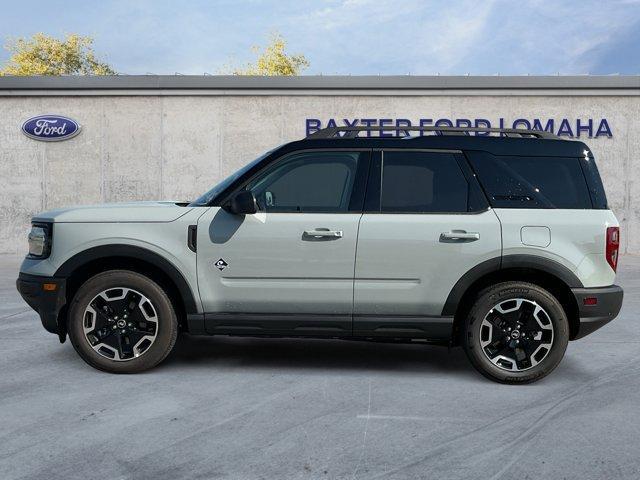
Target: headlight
x=40 y=240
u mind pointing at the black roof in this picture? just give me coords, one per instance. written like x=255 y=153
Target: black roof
x=494 y=145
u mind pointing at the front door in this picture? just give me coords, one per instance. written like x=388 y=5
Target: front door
x=288 y=268
x=423 y=228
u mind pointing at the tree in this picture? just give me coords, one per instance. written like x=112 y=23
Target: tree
x=273 y=60
x=46 y=55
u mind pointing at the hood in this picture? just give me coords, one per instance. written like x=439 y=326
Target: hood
x=130 y=212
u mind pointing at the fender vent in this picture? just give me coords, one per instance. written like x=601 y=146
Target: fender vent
x=192 y=238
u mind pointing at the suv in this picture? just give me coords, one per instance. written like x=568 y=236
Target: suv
x=501 y=242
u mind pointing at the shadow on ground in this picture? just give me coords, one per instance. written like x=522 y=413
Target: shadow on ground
x=318 y=354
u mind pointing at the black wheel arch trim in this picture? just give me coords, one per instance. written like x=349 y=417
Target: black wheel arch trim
x=544 y=264
x=505 y=262
x=139 y=253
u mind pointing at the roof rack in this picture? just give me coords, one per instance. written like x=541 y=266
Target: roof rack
x=352 y=132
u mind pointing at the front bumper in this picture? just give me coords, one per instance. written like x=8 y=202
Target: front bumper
x=608 y=301
x=47 y=296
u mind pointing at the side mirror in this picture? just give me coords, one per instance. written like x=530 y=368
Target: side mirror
x=242 y=203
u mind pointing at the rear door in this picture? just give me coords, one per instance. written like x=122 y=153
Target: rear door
x=426 y=224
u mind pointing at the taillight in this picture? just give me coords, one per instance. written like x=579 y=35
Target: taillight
x=613 y=246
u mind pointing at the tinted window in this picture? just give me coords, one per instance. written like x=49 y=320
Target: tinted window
x=532 y=182
x=594 y=183
x=422 y=182
x=307 y=182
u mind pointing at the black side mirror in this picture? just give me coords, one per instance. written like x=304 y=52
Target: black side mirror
x=242 y=203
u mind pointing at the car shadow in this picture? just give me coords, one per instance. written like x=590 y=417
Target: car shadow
x=295 y=354
x=223 y=226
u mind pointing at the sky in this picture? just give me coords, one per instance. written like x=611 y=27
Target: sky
x=342 y=37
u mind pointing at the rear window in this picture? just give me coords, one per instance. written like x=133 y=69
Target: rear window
x=532 y=182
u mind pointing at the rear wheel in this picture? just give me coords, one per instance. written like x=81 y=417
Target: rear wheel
x=122 y=322
x=516 y=332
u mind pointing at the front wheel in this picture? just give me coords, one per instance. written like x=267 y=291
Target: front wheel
x=516 y=332
x=122 y=322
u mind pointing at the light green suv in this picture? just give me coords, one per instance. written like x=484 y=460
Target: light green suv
x=500 y=241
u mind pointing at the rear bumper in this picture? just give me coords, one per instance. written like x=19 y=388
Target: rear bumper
x=606 y=308
x=47 y=302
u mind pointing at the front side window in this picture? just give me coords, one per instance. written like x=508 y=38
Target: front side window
x=307 y=182
x=422 y=182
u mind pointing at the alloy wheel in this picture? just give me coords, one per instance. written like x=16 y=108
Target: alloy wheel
x=516 y=334
x=120 y=323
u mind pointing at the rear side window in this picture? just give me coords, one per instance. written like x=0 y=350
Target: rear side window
x=532 y=182
x=422 y=182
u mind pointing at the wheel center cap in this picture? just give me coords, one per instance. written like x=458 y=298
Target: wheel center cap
x=515 y=334
x=121 y=324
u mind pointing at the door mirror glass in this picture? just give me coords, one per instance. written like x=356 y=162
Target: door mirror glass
x=242 y=203
x=268 y=199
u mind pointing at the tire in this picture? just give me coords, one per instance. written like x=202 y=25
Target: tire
x=122 y=322
x=516 y=332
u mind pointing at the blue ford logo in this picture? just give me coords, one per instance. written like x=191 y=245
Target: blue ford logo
x=50 y=128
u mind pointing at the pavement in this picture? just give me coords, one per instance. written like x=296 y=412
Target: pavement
x=240 y=408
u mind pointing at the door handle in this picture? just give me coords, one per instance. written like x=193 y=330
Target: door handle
x=323 y=233
x=459 y=236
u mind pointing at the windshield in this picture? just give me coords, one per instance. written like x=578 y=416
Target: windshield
x=207 y=197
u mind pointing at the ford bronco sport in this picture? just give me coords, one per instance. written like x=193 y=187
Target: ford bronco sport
x=501 y=242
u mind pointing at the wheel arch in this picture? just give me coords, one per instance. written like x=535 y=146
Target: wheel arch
x=82 y=266
x=546 y=273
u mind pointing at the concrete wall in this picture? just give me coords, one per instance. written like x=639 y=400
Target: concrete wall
x=152 y=146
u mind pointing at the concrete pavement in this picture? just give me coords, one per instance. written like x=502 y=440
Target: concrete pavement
x=237 y=408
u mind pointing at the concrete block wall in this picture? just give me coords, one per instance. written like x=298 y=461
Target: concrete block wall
x=175 y=147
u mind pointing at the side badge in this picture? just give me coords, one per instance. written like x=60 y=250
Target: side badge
x=221 y=264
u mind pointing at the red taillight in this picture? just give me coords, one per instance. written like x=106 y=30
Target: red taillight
x=613 y=246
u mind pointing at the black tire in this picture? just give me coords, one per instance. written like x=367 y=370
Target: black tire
x=164 y=325
x=505 y=296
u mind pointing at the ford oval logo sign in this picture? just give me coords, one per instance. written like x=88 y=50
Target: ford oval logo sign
x=50 y=128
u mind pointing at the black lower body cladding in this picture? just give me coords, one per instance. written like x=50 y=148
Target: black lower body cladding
x=597 y=307
x=47 y=296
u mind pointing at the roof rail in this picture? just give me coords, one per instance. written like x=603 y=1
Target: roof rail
x=352 y=132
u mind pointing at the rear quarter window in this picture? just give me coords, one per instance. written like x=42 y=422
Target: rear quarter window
x=594 y=182
x=531 y=182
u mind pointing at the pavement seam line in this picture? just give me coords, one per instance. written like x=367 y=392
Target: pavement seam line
x=364 y=435
x=14 y=314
